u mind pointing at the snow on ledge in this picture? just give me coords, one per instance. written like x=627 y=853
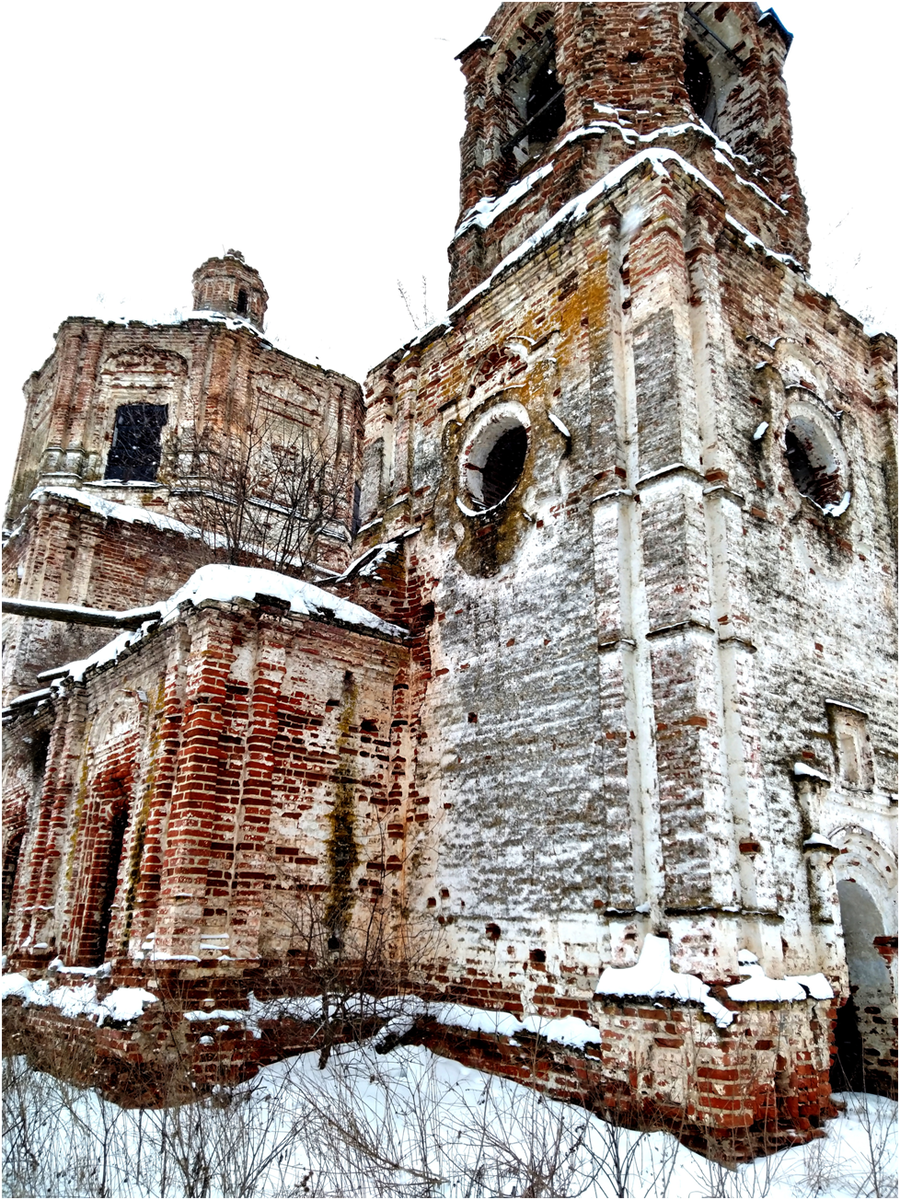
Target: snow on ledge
x=758 y=986
x=560 y=425
x=576 y=209
x=227 y=583
x=568 y=1031
x=122 y=1004
x=401 y=1012
x=801 y=770
x=488 y=208
x=838 y=509
x=653 y=976
x=110 y=509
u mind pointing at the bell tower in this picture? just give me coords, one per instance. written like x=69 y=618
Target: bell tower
x=560 y=95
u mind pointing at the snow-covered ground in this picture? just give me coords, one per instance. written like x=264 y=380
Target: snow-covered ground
x=405 y=1123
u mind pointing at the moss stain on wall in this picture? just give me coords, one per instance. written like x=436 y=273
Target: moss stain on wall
x=341 y=847
x=79 y=804
x=135 y=858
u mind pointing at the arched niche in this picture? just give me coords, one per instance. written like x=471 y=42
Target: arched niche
x=866 y=860
x=870 y=990
x=865 y=1033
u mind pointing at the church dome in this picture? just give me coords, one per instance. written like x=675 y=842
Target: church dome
x=227 y=285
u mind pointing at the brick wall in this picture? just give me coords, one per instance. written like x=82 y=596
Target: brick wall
x=239 y=775
x=626 y=660
x=631 y=65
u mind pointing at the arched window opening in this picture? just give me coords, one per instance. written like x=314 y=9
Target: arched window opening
x=242 y=300
x=812 y=463
x=699 y=84
x=136 y=443
x=117 y=826
x=536 y=101
x=545 y=108
x=12 y=851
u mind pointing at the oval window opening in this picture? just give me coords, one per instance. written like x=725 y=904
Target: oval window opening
x=495 y=460
x=503 y=466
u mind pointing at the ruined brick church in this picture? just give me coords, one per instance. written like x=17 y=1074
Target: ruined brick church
x=579 y=688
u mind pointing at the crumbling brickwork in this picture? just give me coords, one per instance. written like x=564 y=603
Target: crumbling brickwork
x=211 y=375
x=633 y=507
x=638 y=654
x=622 y=81
x=195 y=810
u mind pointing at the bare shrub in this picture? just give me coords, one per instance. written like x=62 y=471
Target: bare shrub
x=272 y=489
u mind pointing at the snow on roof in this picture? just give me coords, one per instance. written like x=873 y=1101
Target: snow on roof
x=179 y=317
x=226 y=583
x=370 y=560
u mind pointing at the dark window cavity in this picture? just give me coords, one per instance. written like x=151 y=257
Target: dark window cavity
x=812 y=464
x=242 y=302
x=537 y=103
x=135 y=451
x=354 y=520
x=503 y=465
x=699 y=84
x=12 y=852
x=545 y=109
x=495 y=459
x=116 y=834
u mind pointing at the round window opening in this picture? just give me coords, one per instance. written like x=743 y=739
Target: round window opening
x=813 y=464
x=495 y=459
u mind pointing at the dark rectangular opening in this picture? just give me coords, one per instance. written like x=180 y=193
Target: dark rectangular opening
x=136 y=443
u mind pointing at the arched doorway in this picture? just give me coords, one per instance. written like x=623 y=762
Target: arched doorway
x=864 y=1034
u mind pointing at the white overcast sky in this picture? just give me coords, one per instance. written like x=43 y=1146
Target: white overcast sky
x=322 y=141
